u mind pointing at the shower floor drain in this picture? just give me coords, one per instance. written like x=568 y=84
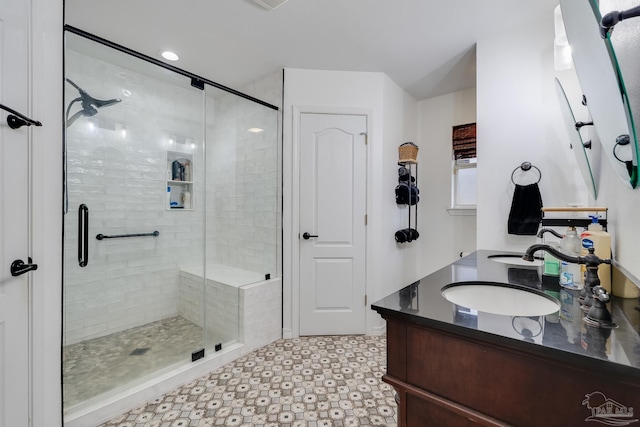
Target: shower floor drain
x=139 y=351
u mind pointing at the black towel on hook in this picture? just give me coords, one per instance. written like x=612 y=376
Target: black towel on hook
x=525 y=214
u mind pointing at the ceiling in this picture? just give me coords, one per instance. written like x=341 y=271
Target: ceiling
x=427 y=47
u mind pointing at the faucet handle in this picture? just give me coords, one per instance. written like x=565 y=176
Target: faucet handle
x=601 y=294
x=598 y=315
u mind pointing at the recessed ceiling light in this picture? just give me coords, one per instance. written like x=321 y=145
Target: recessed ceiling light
x=168 y=55
x=255 y=130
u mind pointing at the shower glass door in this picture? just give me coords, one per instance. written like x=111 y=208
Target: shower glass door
x=243 y=183
x=134 y=221
x=242 y=216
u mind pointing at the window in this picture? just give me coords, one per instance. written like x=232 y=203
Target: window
x=464 y=163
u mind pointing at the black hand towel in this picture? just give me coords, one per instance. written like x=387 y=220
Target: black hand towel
x=525 y=214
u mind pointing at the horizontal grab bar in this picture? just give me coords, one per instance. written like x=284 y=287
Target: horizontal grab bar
x=117 y=236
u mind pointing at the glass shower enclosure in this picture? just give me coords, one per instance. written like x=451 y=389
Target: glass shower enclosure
x=170 y=201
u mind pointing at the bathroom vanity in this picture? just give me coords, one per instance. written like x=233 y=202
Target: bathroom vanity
x=455 y=366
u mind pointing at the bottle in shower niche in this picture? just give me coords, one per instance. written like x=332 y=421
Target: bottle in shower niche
x=168 y=201
x=177 y=171
x=187 y=170
x=186 y=200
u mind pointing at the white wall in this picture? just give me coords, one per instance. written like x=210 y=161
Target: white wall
x=443 y=234
x=398 y=264
x=519 y=120
x=392 y=114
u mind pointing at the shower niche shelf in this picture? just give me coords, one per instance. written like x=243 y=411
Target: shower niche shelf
x=179 y=181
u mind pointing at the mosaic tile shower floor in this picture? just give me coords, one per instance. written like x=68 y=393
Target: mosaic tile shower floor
x=99 y=365
x=329 y=381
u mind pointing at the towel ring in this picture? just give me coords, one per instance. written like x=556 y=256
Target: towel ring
x=526 y=166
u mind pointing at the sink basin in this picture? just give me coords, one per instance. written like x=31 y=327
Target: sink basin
x=515 y=259
x=501 y=298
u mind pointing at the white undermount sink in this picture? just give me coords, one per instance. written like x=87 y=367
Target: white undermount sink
x=514 y=259
x=501 y=298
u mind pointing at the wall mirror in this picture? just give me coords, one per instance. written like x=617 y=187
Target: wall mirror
x=579 y=146
x=603 y=86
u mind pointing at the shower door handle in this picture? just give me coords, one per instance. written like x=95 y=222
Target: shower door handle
x=83 y=235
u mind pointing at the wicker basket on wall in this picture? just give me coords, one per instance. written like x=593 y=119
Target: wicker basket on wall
x=408 y=153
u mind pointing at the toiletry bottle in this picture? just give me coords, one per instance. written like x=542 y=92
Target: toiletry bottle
x=186 y=200
x=168 y=202
x=551 y=263
x=187 y=170
x=595 y=237
x=570 y=273
x=175 y=170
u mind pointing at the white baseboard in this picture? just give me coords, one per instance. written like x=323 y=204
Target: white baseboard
x=379 y=330
x=287 y=333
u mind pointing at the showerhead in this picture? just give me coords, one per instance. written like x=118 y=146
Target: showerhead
x=90 y=104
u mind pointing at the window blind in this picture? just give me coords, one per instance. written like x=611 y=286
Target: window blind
x=464 y=141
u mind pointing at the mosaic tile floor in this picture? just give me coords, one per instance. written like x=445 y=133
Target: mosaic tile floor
x=96 y=366
x=330 y=381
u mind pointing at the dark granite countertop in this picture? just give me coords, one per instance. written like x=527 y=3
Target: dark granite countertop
x=563 y=335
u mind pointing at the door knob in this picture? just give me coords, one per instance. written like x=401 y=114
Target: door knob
x=307 y=236
x=18 y=267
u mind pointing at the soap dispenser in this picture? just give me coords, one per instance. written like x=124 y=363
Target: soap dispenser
x=551 y=263
x=570 y=273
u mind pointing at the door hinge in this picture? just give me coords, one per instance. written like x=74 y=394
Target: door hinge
x=366 y=219
x=366 y=137
x=365 y=300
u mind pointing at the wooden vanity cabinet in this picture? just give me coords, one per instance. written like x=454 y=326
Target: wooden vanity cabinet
x=446 y=379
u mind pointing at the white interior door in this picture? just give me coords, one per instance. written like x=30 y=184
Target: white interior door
x=14 y=216
x=333 y=157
